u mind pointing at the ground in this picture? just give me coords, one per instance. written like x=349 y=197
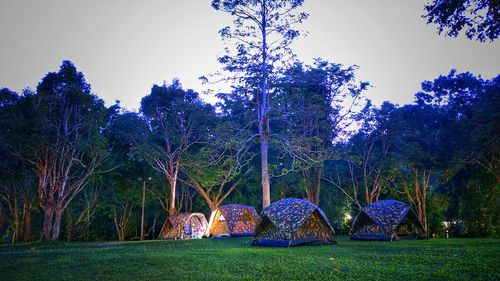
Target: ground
x=234 y=259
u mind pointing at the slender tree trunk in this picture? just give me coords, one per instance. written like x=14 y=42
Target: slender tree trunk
x=263 y=109
x=418 y=197
x=266 y=184
x=142 y=212
x=173 y=189
x=17 y=219
x=122 y=221
x=27 y=220
x=317 y=185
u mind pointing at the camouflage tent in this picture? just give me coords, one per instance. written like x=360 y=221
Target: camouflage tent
x=290 y=222
x=184 y=226
x=233 y=220
x=387 y=220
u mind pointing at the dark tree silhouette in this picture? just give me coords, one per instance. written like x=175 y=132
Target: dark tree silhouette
x=479 y=18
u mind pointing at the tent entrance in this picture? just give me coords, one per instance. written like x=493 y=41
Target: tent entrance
x=220 y=226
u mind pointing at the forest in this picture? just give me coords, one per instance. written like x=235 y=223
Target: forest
x=73 y=168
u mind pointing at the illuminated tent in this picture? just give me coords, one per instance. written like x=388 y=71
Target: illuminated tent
x=387 y=220
x=289 y=222
x=233 y=220
x=184 y=226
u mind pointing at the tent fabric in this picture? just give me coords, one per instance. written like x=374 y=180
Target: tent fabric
x=290 y=222
x=233 y=220
x=184 y=226
x=386 y=220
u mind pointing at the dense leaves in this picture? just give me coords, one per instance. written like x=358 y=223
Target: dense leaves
x=479 y=18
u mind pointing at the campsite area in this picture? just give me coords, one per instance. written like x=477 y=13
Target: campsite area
x=234 y=259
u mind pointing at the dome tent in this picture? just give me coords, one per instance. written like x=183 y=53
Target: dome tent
x=289 y=222
x=387 y=220
x=184 y=226
x=233 y=220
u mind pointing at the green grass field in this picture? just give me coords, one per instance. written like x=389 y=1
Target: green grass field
x=234 y=259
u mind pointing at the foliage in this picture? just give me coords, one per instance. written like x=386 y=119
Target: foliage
x=217 y=169
x=479 y=18
x=179 y=121
x=314 y=106
x=58 y=131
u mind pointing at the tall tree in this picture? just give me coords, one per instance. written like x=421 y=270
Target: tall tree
x=479 y=18
x=178 y=120
x=263 y=31
x=60 y=135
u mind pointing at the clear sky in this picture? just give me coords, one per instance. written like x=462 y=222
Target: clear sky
x=123 y=47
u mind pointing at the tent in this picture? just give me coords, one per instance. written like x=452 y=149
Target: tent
x=290 y=222
x=233 y=220
x=184 y=226
x=387 y=220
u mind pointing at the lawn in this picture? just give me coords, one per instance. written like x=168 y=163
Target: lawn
x=234 y=259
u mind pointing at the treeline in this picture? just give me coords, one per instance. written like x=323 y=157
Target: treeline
x=72 y=168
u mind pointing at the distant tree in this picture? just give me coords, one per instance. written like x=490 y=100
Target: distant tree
x=370 y=155
x=80 y=214
x=473 y=104
x=178 y=120
x=479 y=18
x=470 y=147
x=262 y=32
x=124 y=184
x=314 y=106
x=216 y=169
x=18 y=193
x=419 y=153
x=17 y=180
x=7 y=97
x=58 y=131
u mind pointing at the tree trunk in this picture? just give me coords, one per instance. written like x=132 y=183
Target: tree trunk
x=317 y=185
x=313 y=182
x=119 y=229
x=56 y=228
x=171 y=209
x=263 y=109
x=266 y=189
x=173 y=189
x=212 y=205
x=47 y=223
x=418 y=198
x=27 y=221
x=142 y=211
x=122 y=221
x=18 y=222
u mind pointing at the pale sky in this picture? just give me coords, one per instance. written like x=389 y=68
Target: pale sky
x=123 y=47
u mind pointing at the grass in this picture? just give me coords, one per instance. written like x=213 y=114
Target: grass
x=234 y=259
